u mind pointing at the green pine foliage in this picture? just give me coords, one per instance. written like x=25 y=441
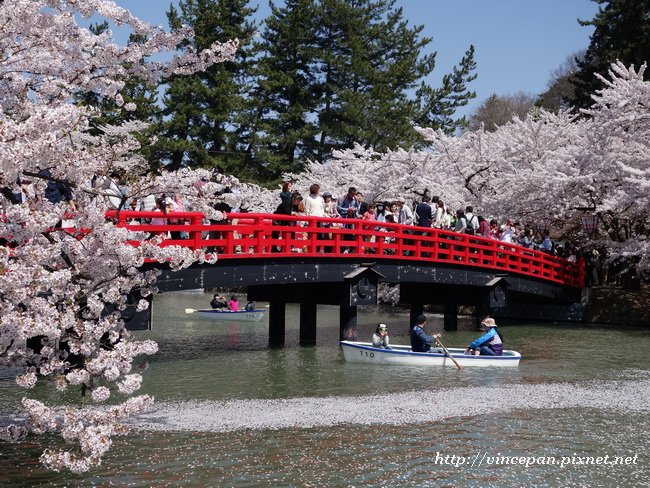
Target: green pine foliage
x=205 y=116
x=622 y=32
x=338 y=72
x=438 y=105
x=287 y=91
x=322 y=75
x=370 y=62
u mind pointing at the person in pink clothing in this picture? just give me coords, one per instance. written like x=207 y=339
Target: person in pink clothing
x=233 y=304
x=370 y=213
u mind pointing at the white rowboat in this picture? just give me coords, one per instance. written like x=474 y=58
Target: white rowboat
x=239 y=316
x=363 y=352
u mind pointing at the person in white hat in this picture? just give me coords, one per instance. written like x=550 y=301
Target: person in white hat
x=405 y=214
x=380 y=337
x=490 y=343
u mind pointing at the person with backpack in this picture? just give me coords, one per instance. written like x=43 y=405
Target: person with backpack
x=471 y=220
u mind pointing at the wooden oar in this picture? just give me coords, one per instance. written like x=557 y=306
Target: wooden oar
x=448 y=354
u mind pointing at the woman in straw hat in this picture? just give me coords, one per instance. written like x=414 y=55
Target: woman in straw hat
x=490 y=343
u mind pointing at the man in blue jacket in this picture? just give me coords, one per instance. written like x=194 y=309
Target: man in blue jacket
x=420 y=341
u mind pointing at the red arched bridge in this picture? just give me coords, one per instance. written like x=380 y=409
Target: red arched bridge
x=312 y=260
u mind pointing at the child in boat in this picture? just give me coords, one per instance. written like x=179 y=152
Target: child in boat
x=218 y=302
x=490 y=343
x=233 y=304
x=380 y=337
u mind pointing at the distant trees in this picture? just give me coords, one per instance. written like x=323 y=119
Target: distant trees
x=499 y=110
x=324 y=75
x=561 y=85
x=622 y=32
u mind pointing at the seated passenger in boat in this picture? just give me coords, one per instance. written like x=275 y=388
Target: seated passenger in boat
x=420 y=340
x=233 y=304
x=218 y=302
x=490 y=343
x=380 y=337
x=250 y=306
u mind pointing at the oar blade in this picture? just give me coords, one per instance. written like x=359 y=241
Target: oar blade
x=189 y=310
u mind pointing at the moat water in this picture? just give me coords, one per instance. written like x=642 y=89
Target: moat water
x=232 y=412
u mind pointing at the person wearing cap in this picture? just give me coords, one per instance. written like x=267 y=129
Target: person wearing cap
x=420 y=340
x=490 y=343
x=405 y=214
x=380 y=337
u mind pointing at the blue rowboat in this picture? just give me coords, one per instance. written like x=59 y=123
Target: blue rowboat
x=363 y=352
x=240 y=316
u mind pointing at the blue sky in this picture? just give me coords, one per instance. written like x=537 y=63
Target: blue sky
x=518 y=42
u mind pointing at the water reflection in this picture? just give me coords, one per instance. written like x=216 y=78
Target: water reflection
x=388 y=456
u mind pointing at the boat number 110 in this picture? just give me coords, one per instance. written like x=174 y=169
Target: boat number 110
x=367 y=354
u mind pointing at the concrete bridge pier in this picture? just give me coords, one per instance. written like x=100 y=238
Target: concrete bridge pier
x=277 y=313
x=451 y=315
x=348 y=322
x=482 y=311
x=308 y=324
x=415 y=310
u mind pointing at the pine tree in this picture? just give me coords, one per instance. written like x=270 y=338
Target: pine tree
x=205 y=114
x=622 y=32
x=438 y=105
x=371 y=58
x=339 y=72
x=286 y=93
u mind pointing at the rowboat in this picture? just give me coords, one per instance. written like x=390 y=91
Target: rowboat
x=240 y=316
x=363 y=352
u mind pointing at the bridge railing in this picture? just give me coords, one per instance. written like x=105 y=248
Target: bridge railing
x=263 y=235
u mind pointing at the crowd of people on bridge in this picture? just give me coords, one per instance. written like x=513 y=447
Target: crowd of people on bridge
x=429 y=212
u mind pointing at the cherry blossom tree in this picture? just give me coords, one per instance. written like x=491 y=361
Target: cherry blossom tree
x=62 y=292
x=546 y=165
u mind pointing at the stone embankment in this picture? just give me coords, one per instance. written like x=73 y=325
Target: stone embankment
x=613 y=305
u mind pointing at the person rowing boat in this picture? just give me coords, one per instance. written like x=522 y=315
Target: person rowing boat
x=420 y=340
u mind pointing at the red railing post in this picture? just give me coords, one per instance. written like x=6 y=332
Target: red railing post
x=196 y=234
